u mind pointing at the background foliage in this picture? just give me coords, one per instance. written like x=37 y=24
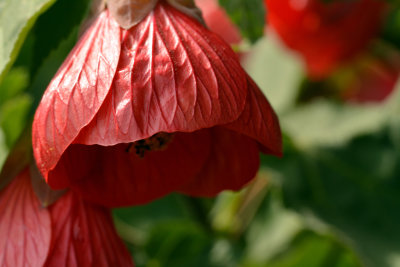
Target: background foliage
x=332 y=200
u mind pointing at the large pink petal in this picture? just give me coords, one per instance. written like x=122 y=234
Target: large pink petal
x=173 y=75
x=259 y=121
x=76 y=92
x=113 y=176
x=233 y=162
x=25 y=227
x=84 y=235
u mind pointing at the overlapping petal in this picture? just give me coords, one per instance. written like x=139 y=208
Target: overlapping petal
x=76 y=92
x=25 y=226
x=114 y=176
x=84 y=235
x=232 y=163
x=173 y=75
x=259 y=121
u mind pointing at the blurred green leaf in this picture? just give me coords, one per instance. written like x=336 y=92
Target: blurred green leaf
x=168 y=208
x=13 y=83
x=391 y=27
x=165 y=232
x=271 y=231
x=313 y=250
x=326 y=123
x=178 y=243
x=248 y=15
x=16 y=19
x=3 y=149
x=354 y=189
x=14 y=116
x=276 y=71
x=56 y=25
x=14 y=104
x=50 y=66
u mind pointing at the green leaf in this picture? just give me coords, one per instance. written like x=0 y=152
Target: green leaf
x=50 y=66
x=16 y=19
x=143 y=217
x=281 y=237
x=55 y=25
x=248 y=15
x=327 y=123
x=178 y=243
x=353 y=189
x=391 y=25
x=14 y=104
x=13 y=117
x=276 y=71
x=164 y=233
x=272 y=230
x=14 y=83
x=313 y=250
x=3 y=149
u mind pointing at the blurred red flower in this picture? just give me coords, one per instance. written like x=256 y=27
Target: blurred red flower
x=218 y=21
x=325 y=34
x=165 y=106
x=71 y=232
x=374 y=79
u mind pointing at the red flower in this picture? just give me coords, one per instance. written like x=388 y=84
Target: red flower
x=69 y=233
x=165 y=106
x=326 y=34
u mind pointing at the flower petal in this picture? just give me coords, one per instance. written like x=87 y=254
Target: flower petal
x=173 y=75
x=25 y=226
x=84 y=235
x=259 y=121
x=114 y=176
x=76 y=92
x=233 y=162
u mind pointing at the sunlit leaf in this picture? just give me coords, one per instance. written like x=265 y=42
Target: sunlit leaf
x=16 y=18
x=14 y=116
x=13 y=84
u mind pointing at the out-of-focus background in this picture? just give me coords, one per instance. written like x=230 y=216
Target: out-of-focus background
x=329 y=69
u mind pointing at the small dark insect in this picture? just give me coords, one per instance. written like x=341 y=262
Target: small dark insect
x=157 y=142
